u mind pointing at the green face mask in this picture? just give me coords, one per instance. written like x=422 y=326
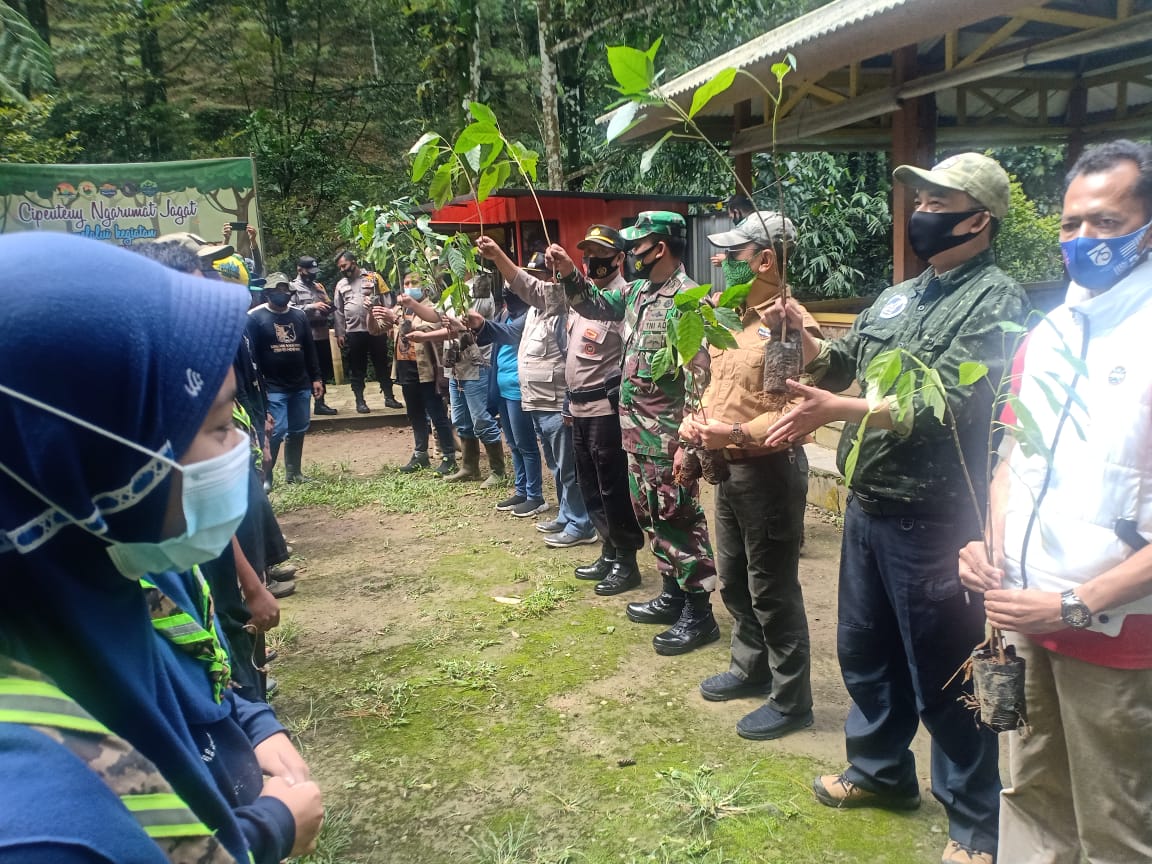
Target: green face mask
x=737 y=272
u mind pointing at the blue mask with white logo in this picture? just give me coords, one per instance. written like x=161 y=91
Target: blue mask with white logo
x=1098 y=263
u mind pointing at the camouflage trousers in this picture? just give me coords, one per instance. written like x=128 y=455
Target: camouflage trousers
x=674 y=521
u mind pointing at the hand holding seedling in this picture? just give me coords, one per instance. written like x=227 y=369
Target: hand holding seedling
x=1024 y=611
x=976 y=572
x=559 y=260
x=712 y=434
x=819 y=407
x=488 y=248
x=775 y=314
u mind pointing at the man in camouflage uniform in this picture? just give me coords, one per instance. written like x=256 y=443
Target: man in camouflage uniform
x=905 y=624
x=650 y=415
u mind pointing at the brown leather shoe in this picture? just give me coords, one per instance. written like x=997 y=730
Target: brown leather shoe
x=836 y=790
x=958 y=853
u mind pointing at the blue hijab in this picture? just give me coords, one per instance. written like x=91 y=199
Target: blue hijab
x=141 y=351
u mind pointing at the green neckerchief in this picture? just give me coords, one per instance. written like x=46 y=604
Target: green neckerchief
x=187 y=634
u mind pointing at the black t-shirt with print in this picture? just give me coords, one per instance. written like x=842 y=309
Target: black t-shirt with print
x=285 y=352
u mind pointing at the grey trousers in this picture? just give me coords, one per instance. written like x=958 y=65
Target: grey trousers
x=758 y=526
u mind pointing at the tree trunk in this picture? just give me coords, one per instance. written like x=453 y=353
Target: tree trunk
x=474 y=53
x=152 y=65
x=549 y=103
x=36 y=11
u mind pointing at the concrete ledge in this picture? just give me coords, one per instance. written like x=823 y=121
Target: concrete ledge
x=826 y=488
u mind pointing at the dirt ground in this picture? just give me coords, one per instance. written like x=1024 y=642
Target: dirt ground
x=372 y=603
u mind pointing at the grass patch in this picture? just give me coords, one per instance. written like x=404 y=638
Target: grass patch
x=284 y=636
x=385 y=702
x=469 y=674
x=338 y=490
x=518 y=844
x=703 y=798
x=334 y=841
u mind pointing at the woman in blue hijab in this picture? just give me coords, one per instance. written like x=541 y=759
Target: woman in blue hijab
x=119 y=458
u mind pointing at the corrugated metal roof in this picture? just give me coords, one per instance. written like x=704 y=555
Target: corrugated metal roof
x=788 y=37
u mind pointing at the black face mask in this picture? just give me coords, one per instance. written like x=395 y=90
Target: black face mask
x=635 y=267
x=600 y=268
x=279 y=298
x=929 y=234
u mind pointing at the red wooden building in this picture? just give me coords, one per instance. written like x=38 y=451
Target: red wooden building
x=510 y=217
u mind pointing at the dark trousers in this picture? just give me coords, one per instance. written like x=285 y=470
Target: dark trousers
x=324 y=356
x=423 y=402
x=361 y=346
x=906 y=625
x=602 y=475
x=758 y=525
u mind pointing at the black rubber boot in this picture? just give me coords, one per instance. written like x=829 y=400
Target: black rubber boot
x=419 y=460
x=663 y=609
x=293 y=457
x=597 y=570
x=270 y=464
x=625 y=576
x=695 y=628
x=361 y=405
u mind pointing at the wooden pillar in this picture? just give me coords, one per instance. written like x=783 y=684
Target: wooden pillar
x=913 y=143
x=1077 y=109
x=741 y=119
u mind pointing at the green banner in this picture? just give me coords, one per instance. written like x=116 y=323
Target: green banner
x=130 y=202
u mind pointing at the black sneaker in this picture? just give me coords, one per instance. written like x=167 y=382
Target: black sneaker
x=447 y=466
x=511 y=503
x=726 y=686
x=530 y=508
x=418 y=461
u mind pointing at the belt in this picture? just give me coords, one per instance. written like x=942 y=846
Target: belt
x=594 y=394
x=889 y=507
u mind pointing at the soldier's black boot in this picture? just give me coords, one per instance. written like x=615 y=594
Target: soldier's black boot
x=598 y=569
x=696 y=627
x=625 y=576
x=323 y=408
x=663 y=609
x=389 y=396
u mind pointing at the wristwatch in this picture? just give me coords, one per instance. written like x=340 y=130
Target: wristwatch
x=1073 y=612
x=738 y=436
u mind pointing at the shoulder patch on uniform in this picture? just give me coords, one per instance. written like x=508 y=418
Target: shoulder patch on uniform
x=894 y=306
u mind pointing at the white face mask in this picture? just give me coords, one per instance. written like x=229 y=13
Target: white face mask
x=214 y=498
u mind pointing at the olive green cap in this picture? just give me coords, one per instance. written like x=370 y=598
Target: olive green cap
x=662 y=222
x=974 y=173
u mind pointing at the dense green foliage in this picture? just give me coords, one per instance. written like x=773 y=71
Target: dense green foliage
x=329 y=96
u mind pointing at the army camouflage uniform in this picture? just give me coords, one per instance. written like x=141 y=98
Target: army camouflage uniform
x=905 y=623
x=650 y=415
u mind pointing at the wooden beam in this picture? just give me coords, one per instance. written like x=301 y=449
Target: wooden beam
x=741 y=119
x=913 y=143
x=854 y=80
x=1062 y=18
x=1003 y=34
x=950 y=40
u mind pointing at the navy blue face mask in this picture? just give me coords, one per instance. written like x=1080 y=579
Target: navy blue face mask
x=1098 y=263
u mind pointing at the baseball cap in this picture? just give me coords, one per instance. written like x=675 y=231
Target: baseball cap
x=602 y=235
x=307 y=262
x=274 y=280
x=201 y=248
x=232 y=269
x=764 y=228
x=662 y=222
x=537 y=263
x=974 y=173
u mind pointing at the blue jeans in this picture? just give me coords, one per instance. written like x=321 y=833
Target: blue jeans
x=526 y=468
x=291 y=413
x=556 y=441
x=470 y=413
x=905 y=627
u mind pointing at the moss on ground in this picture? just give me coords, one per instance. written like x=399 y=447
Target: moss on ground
x=525 y=733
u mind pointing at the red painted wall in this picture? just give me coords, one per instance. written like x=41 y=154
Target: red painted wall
x=574 y=215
